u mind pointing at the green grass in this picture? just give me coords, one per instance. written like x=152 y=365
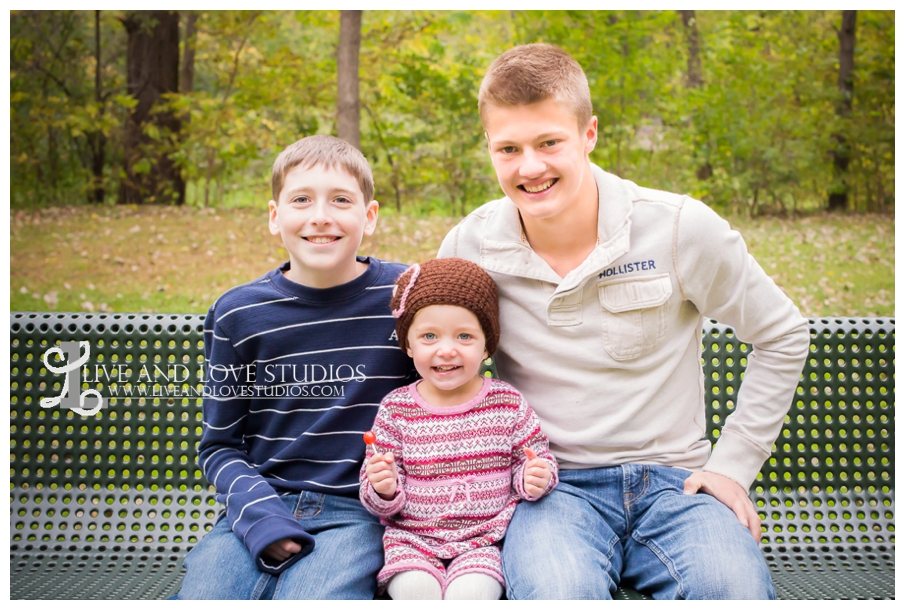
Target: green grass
x=168 y=259
x=830 y=265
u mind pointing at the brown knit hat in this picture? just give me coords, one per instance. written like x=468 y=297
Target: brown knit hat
x=447 y=281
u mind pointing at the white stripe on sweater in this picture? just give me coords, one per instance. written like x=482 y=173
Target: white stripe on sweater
x=253 y=305
x=274 y=330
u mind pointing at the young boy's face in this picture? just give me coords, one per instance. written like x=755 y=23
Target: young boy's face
x=321 y=217
x=540 y=155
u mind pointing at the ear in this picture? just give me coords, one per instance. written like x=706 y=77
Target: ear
x=273 y=222
x=408 y=350
x=371 y=217
x=591 y=134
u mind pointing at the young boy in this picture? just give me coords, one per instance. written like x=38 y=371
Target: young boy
x=603 y=287
x=297 y=363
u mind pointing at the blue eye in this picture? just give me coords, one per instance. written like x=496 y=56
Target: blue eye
x=430 y=336
x=464 y=336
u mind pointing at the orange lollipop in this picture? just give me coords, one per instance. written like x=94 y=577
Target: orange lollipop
x=370 y=438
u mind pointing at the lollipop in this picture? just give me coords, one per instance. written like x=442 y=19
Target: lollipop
x=370 y=439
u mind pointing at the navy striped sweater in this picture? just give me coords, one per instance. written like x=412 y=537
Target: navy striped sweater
x=294 y=376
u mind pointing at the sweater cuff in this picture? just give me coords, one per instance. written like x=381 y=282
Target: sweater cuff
x=737 y=458
x=268 y=530
x=518 y=481
x=385 y=508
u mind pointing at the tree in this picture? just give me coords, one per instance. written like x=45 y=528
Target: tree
x=152 y=130
x=694 y=79
x=693 y=76
x=347 y=103
x=838 y=199
x=187 y=72
x=98 y=140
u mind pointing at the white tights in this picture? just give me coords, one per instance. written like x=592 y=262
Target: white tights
x=416 y=584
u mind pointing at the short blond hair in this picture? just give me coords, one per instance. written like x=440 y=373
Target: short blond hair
x=533 y=73
x=328 y=152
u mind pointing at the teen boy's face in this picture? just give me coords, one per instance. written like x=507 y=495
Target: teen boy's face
x=540 y=156
x=321 y=218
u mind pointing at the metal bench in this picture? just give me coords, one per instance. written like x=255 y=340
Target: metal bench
x=106 y=505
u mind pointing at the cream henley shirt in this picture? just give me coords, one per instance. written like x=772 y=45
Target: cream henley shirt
x=609 y=356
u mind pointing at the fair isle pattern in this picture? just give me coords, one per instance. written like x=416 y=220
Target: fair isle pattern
x=461 y=474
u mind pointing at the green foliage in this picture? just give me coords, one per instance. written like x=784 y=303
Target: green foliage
x=756 y=137
x=54 y=108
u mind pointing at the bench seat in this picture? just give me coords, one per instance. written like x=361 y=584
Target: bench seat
x=106 y=506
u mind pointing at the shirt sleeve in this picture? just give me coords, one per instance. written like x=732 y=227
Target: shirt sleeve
x=387 y=441
x=716 y=273
x=527 y=433
x=255 y=511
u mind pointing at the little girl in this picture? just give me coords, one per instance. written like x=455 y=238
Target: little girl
x=455 y=451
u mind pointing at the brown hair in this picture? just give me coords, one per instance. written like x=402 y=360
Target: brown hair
x=533 y=73
x=329 y=152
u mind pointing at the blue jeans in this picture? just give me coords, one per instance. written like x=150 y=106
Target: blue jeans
x=348 y=553
x=630 y=525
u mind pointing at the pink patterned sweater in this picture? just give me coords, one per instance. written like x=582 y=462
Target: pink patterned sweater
x=460 y=474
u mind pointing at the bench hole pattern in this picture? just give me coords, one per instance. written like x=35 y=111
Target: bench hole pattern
x=117 y=494
x=117 y=499
x=826 y=495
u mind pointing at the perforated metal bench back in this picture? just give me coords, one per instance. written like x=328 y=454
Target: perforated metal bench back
x=105 y=506
x=827 y=493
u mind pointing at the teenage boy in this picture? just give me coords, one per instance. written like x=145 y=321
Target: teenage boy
x=297 y=364
x=603 y=288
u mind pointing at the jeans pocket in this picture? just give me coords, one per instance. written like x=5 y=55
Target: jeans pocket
x=635 y=314
x=310 y=504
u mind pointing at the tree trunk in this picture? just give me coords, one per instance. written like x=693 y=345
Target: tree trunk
x=693 y=76
x=152 y=69
x=347 y=104
x=842 y=154
x=187 y=74
x=98 y=139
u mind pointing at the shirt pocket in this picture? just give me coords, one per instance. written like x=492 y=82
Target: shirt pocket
x=635 y=314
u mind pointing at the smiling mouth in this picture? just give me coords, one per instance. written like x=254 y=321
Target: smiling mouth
x=540 y=188
x=321 y=239
x=445 y=369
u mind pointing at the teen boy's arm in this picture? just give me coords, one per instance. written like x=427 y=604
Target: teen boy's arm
x=254 y=509
x=716 y=273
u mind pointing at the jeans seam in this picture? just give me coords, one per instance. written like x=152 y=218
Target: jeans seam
x=662 y=556
x=645 y=487
x=261 y=586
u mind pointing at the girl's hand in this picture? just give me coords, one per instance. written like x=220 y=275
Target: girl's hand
x=537 y=474
x=381 y=472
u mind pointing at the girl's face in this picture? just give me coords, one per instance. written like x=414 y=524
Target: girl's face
x=447 y=344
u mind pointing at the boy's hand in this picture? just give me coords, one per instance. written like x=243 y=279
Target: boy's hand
x=537 y=474
x=381 y=472
x=281 y=550
x=729 y=493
